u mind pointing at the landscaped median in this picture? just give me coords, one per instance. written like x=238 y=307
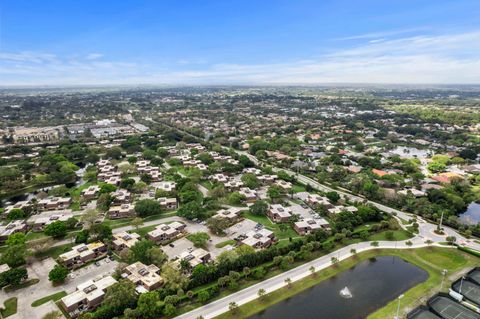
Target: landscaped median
x=431 y=259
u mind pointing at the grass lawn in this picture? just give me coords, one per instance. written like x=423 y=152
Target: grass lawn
x=290 y=232
x=9 y=308
x=297 y=188
x=398 y=235
x=54 y=297
x=225 y=243
x=142 y=231
x=54 y=252
x=35 y=235
x=432 y=259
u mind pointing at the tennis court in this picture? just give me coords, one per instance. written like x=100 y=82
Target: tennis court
x=449 y=309
x=469 y=290
x=474 y=275
x=422 y=314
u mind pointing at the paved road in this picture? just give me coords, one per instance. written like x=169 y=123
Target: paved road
x=426 y=232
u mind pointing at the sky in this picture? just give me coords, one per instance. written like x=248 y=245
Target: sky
x=261 y=42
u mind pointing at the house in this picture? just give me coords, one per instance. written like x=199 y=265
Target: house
x=88 y=296
x=315 y=200
x=232 y=185
x=121 y=211
x=412 y=191
x=267 y=179
x=15 y=226
x=82 y=254
x=166 y=186
x=195 y=256
x=231 y=215
x=257 y=238
x=446 y=178
x=146 y=278
x=90 y=192
x=252 y=170
x=379 y=172
x=23 y=205
x=124 y=240
x=339 y=209
x=168 y=203
x=165 y=232
x=121 y=196
x=219 y=178
x=279 y=213
x=113 y=180
x=250 y=194
x=310 y=225
x=41 y=221
x=54 y=203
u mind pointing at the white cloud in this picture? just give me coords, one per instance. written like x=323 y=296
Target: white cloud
x=94 y=56
x=452 y=58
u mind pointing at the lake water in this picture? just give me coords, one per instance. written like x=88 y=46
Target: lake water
x=373 y=283
x=472 y=215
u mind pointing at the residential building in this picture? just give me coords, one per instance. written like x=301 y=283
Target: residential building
x=168 y=203
x=121 y=211
x=164 y=232
x=82 y=254
x=279 y=213
x=54 y=203
x=90 y=192
x=87 y=297
x=146 y=278
x=195 y=256
x=257 y=238
x=15 y=226
x=124 y=240
x=310 y=225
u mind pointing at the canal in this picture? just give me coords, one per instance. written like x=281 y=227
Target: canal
x=372 y=283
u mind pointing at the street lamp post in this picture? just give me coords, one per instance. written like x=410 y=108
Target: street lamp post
x=461 y=283
x=441 y=221
x=398 y=307
x=444 y=272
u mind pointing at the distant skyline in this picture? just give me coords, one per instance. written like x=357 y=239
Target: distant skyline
x=239 y=42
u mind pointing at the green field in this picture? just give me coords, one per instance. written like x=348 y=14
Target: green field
x=281 y=235
x=54 y=297
x=9 y=307
x=432 y=259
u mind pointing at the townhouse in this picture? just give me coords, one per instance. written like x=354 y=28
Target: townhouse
x=82 y=254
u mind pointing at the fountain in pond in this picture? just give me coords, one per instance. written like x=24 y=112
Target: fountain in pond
x=346 y=293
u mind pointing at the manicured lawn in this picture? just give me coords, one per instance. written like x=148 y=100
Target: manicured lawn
x=290 y=232
x=54 y=297
x=144 y=230
x=225 y=243
x=9 y=307
x=35 y=235
x=432 y=259
x=297 y=188
x=398 y=235
x=54 y=252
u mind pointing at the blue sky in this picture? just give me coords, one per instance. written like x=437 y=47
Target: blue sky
x=239 y=42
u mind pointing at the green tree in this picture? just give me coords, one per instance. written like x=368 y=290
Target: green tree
x=250 y=180
x=147 y=207
x=259 y=208
x=16 y=213
x=57 y=229
x=13 y=276
x=274 y=192
x=199 y=239
x=58 y=274
x=236 y=198
x=149 y=306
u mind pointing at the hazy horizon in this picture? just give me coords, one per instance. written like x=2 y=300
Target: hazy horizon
x=277 y=43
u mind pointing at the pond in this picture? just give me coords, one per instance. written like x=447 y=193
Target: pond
x=472 y=215
x=372 y=284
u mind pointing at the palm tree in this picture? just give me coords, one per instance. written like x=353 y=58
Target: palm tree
x=334 y=260
x=312 y=270
x=288 y=281
x=353 y=251
x=261 y=293
x=233 y=306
